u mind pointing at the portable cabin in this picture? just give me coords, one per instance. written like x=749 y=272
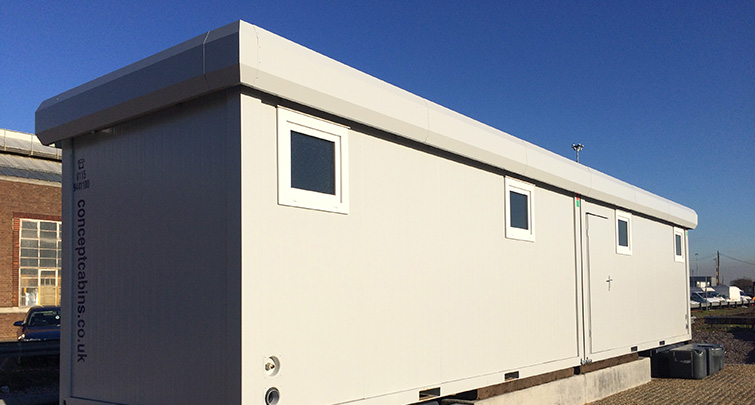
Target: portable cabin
x=248 y=221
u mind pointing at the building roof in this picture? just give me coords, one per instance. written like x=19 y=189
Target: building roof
x=246 y=55
x=22 y=155
x=21 y=143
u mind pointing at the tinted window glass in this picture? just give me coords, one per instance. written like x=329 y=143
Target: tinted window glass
x=678 y=239
x=518 y=210
x=47 y=263
x=29 y=243
x=29 y=253
x=48 y=244
x=313 y=164
x=48 y=235
x=623 y=233
x=29 y=272
x=48 y=226
x=30 y=262
x=48 y=253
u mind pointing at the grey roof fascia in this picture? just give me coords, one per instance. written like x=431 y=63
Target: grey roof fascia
x=171 y=76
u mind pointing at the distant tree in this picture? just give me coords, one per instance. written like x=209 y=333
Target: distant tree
x=745 y=284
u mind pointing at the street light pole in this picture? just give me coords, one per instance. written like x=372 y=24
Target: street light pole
x=697 y=267
x=577 y=147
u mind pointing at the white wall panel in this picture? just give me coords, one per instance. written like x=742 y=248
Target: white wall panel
x=416 y=287
x=154 y=309
x=628 y=314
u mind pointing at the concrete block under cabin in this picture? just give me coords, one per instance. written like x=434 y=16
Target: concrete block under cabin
x=579 y=389
x=248 y=221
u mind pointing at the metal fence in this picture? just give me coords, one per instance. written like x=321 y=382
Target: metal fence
x=722 y=304
x=29 y=349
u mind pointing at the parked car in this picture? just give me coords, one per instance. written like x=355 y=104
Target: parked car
x=717 y=296
x=702 y=299
x=41 y=323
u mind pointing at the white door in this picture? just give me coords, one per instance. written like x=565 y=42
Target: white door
x=604 y=328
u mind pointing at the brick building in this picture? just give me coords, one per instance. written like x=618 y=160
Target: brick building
x=30 y=196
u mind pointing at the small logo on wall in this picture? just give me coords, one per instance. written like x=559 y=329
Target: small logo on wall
x=81 y=182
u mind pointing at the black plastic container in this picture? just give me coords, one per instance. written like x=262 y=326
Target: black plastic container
x=688 y=361
x=660 y=361
x=714 y=356
x=695 y=360
x=659 y=364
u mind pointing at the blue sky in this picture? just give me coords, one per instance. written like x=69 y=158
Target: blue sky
x=661 y=93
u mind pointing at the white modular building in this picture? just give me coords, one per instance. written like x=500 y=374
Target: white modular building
x=248 y=221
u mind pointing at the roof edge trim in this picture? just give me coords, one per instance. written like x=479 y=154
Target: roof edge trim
x=241 y=53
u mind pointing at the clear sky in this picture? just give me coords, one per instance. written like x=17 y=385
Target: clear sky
x=661 y=93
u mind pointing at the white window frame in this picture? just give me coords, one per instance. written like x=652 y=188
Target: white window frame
x=679 y=232
x=627 y=217
x=518 y=186
x=288 y=121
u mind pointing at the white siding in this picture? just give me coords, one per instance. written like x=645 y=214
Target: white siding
x=647 y=301
x=416 y=287
x=160 y=289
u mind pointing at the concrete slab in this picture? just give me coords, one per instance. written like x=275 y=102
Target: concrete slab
x=579 y=389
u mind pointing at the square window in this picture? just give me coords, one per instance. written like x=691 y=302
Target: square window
x=519 y=210
x=623 y=233
x=312 y=163
x=679 y=245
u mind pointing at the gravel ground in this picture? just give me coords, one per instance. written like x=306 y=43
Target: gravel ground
x=735 y=384
x=739 y=342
